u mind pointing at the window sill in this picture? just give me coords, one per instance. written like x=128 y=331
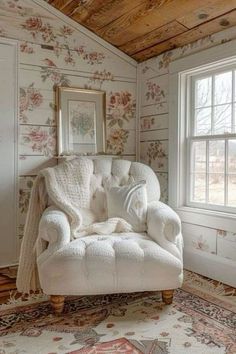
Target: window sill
x=209 y=218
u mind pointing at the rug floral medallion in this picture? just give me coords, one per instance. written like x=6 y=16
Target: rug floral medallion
x=201 y=320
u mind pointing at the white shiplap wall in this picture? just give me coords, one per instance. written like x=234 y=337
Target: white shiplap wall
x=52 y=50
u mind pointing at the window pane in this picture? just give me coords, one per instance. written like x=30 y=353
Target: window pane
x=232 y=190
x=199 y=157
x=223 y=88
x=216 y=188
x=203 y=121
x=203 y=92
x=198 y=187
x=198 y=167
x=216 y=156
x=232 y=156
x=222 y=119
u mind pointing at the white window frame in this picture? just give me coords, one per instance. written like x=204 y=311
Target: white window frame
x=181 y=71
x=190 y=132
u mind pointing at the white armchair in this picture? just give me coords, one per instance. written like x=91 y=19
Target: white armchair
x=116 y=263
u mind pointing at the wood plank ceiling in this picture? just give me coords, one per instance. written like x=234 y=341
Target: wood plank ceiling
x=145 y=28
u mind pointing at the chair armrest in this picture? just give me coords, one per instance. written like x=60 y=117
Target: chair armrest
x=54 y=230
x=164 y=227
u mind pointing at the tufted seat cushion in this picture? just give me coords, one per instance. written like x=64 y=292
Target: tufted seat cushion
x=108 y=264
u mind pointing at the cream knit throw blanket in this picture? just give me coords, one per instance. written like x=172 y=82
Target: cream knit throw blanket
x=68 y=188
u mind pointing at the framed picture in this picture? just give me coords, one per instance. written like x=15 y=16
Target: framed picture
x=81 y=121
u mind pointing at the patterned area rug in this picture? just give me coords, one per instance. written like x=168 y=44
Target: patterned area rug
x=202 y=319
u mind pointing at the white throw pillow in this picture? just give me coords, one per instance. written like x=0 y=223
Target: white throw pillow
x=129 y=202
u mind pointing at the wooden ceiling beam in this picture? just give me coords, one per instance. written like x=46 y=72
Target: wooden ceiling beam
x=152 y=38
x=222 y=22
x=146 y=18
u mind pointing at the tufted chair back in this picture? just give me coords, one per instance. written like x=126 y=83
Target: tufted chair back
x=117 y=172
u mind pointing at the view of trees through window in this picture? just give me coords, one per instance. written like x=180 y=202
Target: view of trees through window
x=213 y=139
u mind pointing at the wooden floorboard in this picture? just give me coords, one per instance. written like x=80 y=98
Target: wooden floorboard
x=7 y=283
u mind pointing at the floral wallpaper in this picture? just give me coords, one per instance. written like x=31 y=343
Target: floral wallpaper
x=39 y=140
x=120 y=108
x=154 y=92
x=116 y=141
x=52 y=53
x=120 y=114
x=154 y=122
x=30 y=99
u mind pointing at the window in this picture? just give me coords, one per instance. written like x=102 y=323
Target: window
x=211 y=139
x=202 y=137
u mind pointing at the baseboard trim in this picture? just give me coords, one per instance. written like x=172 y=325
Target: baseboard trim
x=210 y=265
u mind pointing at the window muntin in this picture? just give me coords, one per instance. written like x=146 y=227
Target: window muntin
x=212 y=140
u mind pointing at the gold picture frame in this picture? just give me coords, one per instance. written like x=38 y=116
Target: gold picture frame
x=81 y=117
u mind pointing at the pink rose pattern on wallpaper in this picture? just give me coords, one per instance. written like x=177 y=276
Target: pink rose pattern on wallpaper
x=120 y=108
x=221 y=233
x=42 y=30
x=154 y=92
x=37 y=27
x=57 y=37
x=90 y=57
x=156 y=152
x=201 y=244
x=26 y=48
x=30 y=98
x=56 y=77
x=101 y=77
x=15 y=7
x=116 y=141
x=147 y=123
x=165 y=60
x=41 y=140
x=53 y=53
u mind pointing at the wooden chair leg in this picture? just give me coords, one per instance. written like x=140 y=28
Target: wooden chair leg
x=167 y=296
x=57 y=303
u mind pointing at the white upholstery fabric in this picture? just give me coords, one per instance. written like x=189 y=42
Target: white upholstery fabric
x=109 y=264
x=108 y=172
x=121 y=262
x=54 y=230
x=130 y=203
x=164 y=226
